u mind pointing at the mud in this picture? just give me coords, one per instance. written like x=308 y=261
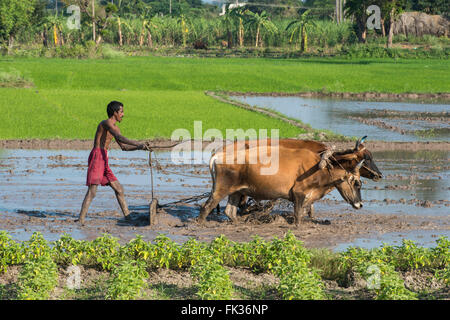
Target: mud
x=78 y=144
x=367 y=96
x=396 y=128
x=42 y=190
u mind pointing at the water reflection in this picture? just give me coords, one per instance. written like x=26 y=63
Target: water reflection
x=339 y=116
x=46 y=181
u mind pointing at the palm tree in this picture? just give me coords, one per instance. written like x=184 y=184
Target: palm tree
x=260 y=22
x=300 y=29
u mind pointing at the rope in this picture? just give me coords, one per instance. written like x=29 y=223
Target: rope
x=185 y=200
x=165 y=171
x=188 y=200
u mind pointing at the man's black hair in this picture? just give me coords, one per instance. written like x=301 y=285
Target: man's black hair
x=113 y=106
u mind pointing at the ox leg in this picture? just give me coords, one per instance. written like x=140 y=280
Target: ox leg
x=243 y=204
x=210 y=204
x=310 y=211
x=232 y=206
x=299 y=199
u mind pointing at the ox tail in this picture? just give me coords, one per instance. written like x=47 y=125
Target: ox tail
x=212 y=170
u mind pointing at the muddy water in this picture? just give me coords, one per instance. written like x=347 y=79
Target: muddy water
x=423 y=238
x=49 y=186
x=48 y=180
x=409 y=122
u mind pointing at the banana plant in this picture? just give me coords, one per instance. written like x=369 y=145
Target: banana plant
x=55 y=24
x=147 y=25
x=227 y=21
x=115 y=19
x=238 y=14
x=183 y=23
x=299 y=30
x=260 y=22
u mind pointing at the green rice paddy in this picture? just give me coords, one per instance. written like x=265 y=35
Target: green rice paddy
x=162 y=94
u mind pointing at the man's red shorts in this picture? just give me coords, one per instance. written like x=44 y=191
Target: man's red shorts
x=98 y=170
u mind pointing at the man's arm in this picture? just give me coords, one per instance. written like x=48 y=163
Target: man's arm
x=125 y=147
x=122 y=141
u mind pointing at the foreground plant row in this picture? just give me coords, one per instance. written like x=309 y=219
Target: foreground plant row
x=301 y=272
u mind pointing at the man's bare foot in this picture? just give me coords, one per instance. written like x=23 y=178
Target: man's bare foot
x=80 y=221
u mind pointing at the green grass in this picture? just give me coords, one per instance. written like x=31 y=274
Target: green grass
x=162 y=94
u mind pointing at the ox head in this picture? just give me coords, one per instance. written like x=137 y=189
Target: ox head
x=369 y=170
x=349 y=186
x=350 y=158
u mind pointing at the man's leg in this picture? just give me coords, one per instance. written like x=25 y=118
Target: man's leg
x=118 y=189
x=90 y=194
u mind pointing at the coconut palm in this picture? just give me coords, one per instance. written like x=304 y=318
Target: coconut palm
x=260 y=22
x=299 y=29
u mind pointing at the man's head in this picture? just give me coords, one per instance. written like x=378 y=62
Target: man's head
x=113 y=107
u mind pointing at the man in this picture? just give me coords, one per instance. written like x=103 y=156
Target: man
x=98 y=167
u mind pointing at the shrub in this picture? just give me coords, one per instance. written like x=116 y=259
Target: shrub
x=37 y=279
x=380 y=276
x=108 y=52
x=127 y=281
x=166 y=253
x=105 y=251
x=212 y=279
x=14 y=79
x=291 y=265
x=192 y=252
x=10 y=252
x=68 y=251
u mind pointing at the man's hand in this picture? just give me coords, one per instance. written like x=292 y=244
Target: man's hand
x=146 y=146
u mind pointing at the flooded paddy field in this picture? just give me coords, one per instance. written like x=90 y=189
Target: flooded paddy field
x=382 y=121
x=42 y=190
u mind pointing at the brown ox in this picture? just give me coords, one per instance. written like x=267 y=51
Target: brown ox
x=369 y=169
x=298 y=179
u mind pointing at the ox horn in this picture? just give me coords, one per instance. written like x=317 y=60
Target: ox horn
x=360 y=140
x=359 y=165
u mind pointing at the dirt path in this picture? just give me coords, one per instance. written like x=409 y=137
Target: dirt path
x=59 y=144
x=367 y=96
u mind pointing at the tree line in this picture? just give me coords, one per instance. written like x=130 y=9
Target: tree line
x=191 y=22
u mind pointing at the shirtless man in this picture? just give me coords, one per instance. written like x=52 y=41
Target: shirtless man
x=99 y=171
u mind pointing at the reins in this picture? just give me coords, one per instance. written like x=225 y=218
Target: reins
x=329 y=170
x=159 y=168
